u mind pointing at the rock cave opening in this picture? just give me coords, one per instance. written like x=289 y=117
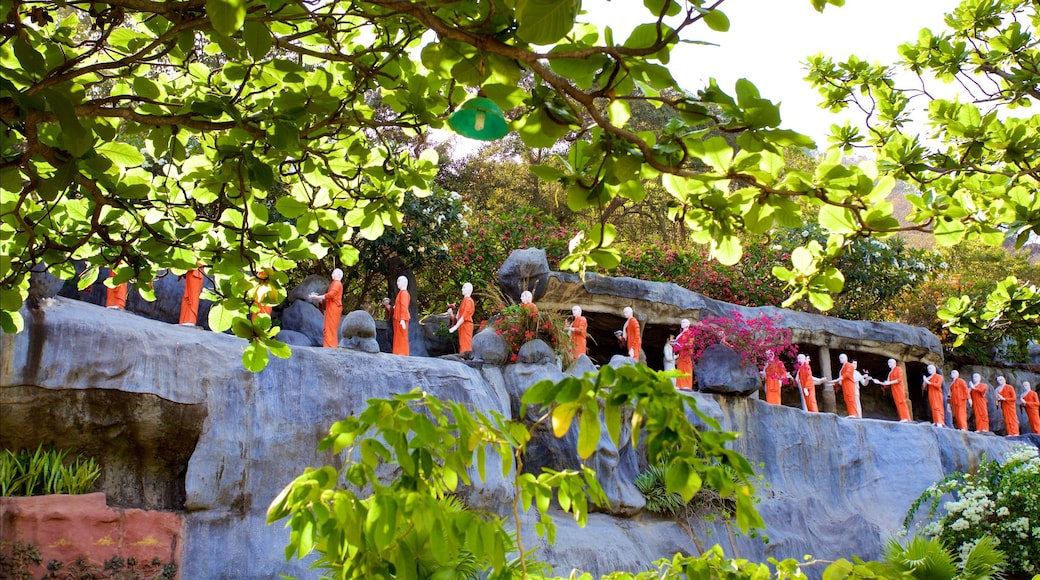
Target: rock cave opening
x=142 y=442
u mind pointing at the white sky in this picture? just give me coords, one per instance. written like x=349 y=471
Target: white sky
x=769 y=39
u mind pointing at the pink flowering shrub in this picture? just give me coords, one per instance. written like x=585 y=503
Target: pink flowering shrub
x=517 y=326
x=749 y=337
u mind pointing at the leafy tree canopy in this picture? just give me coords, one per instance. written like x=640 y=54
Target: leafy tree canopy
x=159 y=135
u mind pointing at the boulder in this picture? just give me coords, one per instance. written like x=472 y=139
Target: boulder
x=313 y=284
x=580 y=367
x=305 y=318
x=490 y=347
x=536 y=352
x=524 y=270
x=357 y=331
x=43 y=284
x=438 y=340
x=720 y=370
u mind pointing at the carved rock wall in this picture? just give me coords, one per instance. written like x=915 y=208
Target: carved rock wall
x=835 y=486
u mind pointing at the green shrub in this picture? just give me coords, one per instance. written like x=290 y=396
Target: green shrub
x=45 y=471
x=999 y=500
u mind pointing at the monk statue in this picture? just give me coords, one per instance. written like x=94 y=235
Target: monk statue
x=898 y=384
x=775 y=374
x=979 y=406
x=959 y=400
x=333 y=301
x=578 y=329
x=527 y=303
x=933 y=384
x=668 y=356
x=464 y=319
x=1007 y=400
x=115 y=297
x=1031 y=402
x=684 y=356
x=401 y=317
x=190 y=302
x=846 y=383
x=630 y=332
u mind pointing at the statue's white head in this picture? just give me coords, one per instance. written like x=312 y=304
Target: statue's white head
x=402 y=282
x=843 y=358
x=467 y=289
x=337 y=274
x=684 y=323
x=576 y=310
x=628 y=312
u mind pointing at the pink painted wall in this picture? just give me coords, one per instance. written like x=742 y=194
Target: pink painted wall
x=65 y=527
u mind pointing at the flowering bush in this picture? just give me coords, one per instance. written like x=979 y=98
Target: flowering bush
x=749 y=337
x=1001 y=500
x=518 y=326
x=748 y=283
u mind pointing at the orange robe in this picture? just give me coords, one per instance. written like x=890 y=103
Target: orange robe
x=333 y=310
x=465 y=314
x=401 y=314
x=684 y=360
x=579 y=336
x=116 y=297
x=776 y=372
x=979 y=406
x=959 y=402
x=805 y=379
x=190 y=302
x=935 y=399
x=635 y=342
x=899 y=392
x=1032 y=403
x=530 y=307
x=847 y=385
x=1007 y=408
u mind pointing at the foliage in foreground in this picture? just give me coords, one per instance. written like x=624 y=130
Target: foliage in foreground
x=436 y=446
x=1000 y=499
x=45 y=471
x=391 y=509
x=256 y=135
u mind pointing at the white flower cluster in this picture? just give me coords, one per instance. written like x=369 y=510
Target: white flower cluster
x=1007 y=514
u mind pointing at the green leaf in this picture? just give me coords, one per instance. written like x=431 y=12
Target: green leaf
x=220 y=318
x=562 y=416
x=588 y=430
x=727 y=250
x=121 y=154
x=255 y=357
x=258 y=39
x=11 y=322
x=226 y=16
x=838 y=220
x=716 y=20
x=545 y=21
x=547 y=173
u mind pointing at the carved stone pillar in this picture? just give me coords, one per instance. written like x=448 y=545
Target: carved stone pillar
x=829 y=403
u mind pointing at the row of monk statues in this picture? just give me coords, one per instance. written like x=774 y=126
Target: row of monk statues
x=962 y=395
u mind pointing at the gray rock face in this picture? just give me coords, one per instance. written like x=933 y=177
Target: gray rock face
x=357 y=331
x=168 y=408
x=177 y=422
x=524 y=270
x=720 y=371
x=490 y=347
x=293 y=338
